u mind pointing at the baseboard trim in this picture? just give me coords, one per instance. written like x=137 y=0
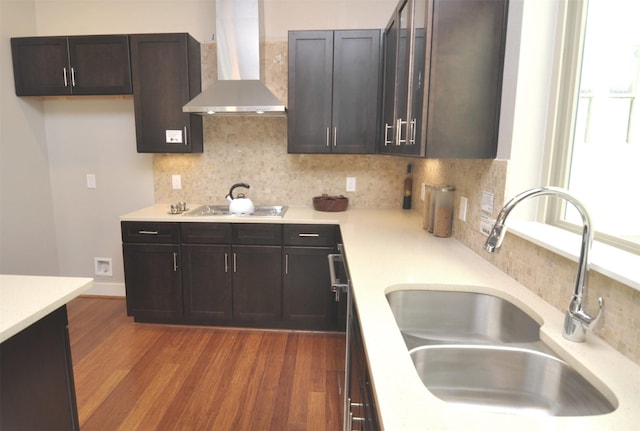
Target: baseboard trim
x=106 y=289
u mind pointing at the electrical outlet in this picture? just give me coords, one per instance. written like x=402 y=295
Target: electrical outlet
x=176 y=182
x=351 y=184
x=462 y=211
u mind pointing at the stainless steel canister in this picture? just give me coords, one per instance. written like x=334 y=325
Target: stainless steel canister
x=442 y=198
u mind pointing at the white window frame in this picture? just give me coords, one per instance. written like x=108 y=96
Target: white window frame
x=570 y=45
x=520 y=136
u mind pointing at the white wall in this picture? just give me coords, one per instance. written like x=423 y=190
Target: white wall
x=27 y=230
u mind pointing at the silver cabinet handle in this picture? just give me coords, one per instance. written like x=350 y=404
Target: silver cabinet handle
x=399 y=140
x=308 y=235
x=73 y=77
x=175 y=262
x=335 y=136
x=226 y=262
x=328 y=144
x=286 y=264
x=336 y=285
x=412 y=132
x=148 y=232
x=388 y=127
x=235 y=262
x=186 y=139
x=64 y=74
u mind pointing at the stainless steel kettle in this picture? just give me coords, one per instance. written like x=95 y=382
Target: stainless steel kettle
x=240 y=205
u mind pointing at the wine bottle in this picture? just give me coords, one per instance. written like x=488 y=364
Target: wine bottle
x=408 y=186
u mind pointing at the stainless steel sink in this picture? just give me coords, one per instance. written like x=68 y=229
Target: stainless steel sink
x=479 y=350
x=223 y=210
x=433 y=317
x=507 y=379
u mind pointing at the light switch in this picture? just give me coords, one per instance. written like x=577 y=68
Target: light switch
x=91 y=181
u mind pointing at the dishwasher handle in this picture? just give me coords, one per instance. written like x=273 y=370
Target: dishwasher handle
x=337 y=286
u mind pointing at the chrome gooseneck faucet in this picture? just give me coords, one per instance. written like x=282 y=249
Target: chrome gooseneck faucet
x=576 y=321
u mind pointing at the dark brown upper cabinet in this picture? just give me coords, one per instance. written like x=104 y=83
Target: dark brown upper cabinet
x=334 y=91
x=73 y=65
x=166 y=75
x=443 y=67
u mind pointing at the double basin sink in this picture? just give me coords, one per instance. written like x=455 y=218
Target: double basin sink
x=475 y=349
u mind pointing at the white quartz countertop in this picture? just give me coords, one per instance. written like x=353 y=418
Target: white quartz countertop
x=388 y=250
x=26 y=299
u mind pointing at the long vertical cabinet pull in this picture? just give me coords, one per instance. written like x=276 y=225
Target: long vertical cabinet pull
x=387 y=141
x=399 y=140
x=186 y=137
x=175 y=261
x=226 y=262
x=235 y=262
x=64 y=74
x=327 y=138
x=286 y=264
x=412 y=132
x=73 y=77
x=335 y=136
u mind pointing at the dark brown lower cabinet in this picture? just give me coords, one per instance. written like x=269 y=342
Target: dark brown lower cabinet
x=37 y=390
x=307 y=300
x=237 y=274
x=257 y=285
x=152 y=281
x=207 y=283
x=362 y=414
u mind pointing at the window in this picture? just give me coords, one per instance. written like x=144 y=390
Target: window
x=597 y=140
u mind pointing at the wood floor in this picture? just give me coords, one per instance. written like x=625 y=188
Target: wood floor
x=132 y=376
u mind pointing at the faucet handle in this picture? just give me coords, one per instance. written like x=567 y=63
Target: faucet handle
x=577 y=322
x=589 y=321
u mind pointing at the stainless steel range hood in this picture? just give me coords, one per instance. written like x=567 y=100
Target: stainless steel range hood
x=238 y=90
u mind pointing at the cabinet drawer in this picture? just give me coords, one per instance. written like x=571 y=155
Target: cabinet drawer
x=256 y=234
x=311 y=235
x=150 y=232
x=206 y=233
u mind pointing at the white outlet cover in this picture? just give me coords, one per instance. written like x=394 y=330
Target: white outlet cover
x=462 y=212
x=176 y=182
x=351 y=184
x=103 y=266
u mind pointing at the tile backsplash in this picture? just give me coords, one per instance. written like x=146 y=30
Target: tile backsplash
x=254 y=150
x=547 y=274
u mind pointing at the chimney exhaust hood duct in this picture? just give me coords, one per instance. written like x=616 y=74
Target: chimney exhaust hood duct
x=238 y=90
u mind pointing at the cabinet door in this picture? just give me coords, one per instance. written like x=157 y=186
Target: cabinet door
x=356 y=92
x=390 y=42
x=465 y=85
x=257 y=285
x=100 y=64
x=207 y=283
x=310 y=91
x=166 y=75
x=41 y=66
x=36 y=377
x=307 y=300
x=153 y=282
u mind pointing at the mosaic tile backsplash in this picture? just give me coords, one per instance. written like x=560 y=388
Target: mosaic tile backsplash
x=254 y=150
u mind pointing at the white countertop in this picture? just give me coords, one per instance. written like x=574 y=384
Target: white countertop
x=26 y=299
x=388 y=250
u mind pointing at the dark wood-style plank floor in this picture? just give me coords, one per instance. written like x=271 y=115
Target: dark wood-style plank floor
x=132 y=376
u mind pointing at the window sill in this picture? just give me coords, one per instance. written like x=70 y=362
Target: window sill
x=617 y=264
